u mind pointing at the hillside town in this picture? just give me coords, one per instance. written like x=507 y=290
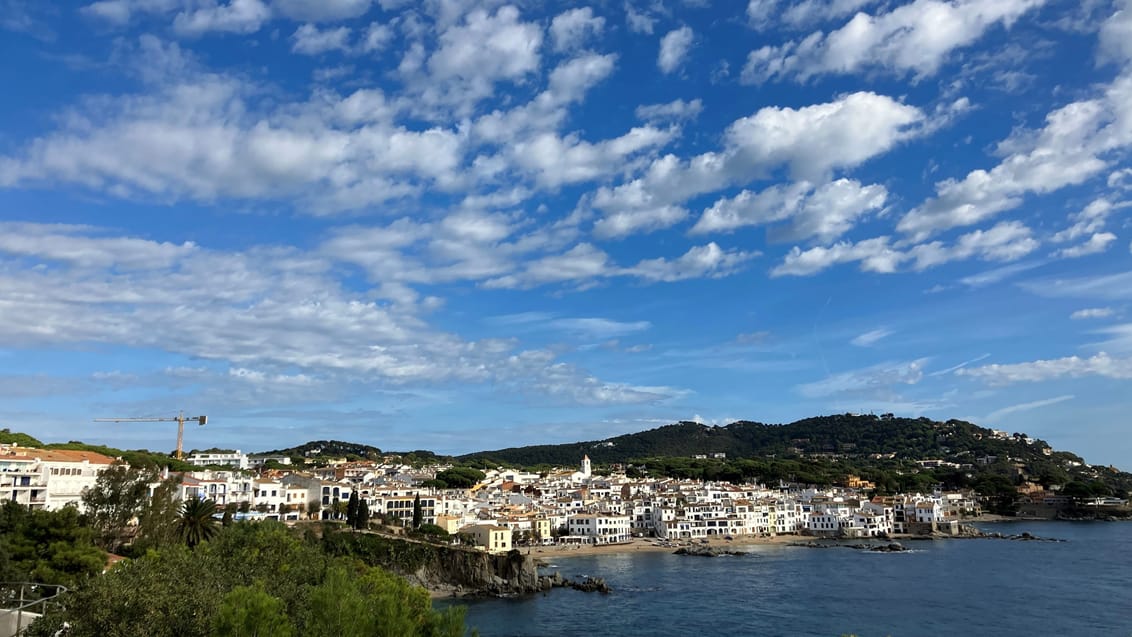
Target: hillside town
x=509 y=508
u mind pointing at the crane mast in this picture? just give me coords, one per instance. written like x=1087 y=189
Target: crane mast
x=179 y=419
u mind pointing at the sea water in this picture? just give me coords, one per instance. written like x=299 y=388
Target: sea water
x=967 y=587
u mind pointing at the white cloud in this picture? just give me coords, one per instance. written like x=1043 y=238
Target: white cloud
x=1007 y=241
x=875 y=255
x=807 y=12
x=75 y=245
x=763 y=14
x=638 y=21
x=1116 y=34
x=1067 y=151
x=870 y=338
x=377 y=37
x=223 y=307
x=675 y=110
x=1092 y=313
x=585 y=265
x=814 y=140
x=913 y=38
x=1096 y=244
x=698 y=262
x=599 y=328
x=642 y=220
x=472 y=56
x=1042 y=370
x=237 y=16
x=760 y=13
x=198 y=137
x=571 y=29
x=1104 y=287
x=583 y=262
x=120 y=12
x=674 y=47
x=1091 y=219
x=876 y=380
x=310 y=40
x=553 y=160
x=321 y=10
x=824 y=213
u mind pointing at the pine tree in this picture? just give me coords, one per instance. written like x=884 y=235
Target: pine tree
x=418 y=514
x=352 y=509
x=363 y=515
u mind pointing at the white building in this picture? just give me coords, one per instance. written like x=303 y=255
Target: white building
x=599 y=528
x=234 y=459
x=48 y=479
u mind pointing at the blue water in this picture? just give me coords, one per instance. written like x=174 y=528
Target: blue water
x=950 y=587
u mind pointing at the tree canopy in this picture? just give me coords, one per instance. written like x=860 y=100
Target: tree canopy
x=264 y=578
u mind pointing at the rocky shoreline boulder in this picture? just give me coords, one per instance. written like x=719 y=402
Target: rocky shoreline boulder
x=706 y=551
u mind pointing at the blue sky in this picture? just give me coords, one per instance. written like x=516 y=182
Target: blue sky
x=462 y=225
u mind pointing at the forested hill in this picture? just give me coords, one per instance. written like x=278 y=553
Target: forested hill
x=849 y=435
x=328 y=449
x=819 y=445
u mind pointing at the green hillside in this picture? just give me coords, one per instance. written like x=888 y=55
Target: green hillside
x=328 y=449
x=826 y=449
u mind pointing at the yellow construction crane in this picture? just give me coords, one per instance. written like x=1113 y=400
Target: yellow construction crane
x=179 y=419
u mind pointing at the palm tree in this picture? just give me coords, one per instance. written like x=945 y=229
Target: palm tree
x=197 y=524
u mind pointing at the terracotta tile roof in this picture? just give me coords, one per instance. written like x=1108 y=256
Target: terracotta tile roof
x=60 y=455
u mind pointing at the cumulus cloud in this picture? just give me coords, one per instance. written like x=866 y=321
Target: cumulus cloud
x=914 y=38
x=224 y=307
x=1089 y=220
x=623 y=223
x=120 y=12
x=321 y=10
x=1042 y=370
x=237 y=16
x=571 y=29
x=1070 y=149
x=1007 y=241
x=1096 y=244
x=708 y=260
x=675 y=110
x=638 y=21
x=763 y=14
x=310 y=40
x=674 y=47
x=824 y=213
x=814 y=140
x=585 y=265
x=811 y=142
x=1116 y=34
x=874 y=255
x=472 y=56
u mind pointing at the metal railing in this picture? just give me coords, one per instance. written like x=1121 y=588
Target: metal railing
x=21 y=603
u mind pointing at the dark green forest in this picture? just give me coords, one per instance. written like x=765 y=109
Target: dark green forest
x=824 y=450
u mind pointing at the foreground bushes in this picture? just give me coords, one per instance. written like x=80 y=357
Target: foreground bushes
x=252 y=579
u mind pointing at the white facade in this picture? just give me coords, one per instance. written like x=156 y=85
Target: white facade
x=599 y=528
x=235 y=460
x=48 y=479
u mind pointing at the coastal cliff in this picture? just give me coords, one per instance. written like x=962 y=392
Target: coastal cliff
x=442 y=569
